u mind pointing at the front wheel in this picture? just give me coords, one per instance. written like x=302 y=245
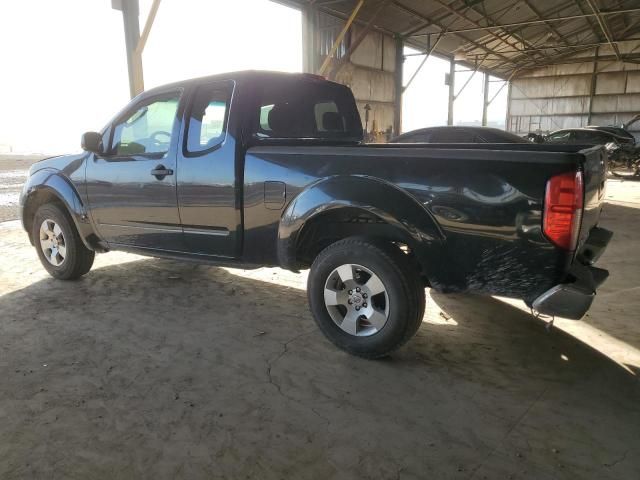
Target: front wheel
x=58 y=244
x=367 y=298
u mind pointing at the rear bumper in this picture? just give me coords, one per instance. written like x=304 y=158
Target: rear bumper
x=573 y=298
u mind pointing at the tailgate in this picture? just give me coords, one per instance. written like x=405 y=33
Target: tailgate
x=595 y=175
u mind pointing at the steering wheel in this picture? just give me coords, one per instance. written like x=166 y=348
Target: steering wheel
x=160 y=132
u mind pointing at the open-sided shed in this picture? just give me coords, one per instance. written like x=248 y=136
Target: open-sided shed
x=568 y=63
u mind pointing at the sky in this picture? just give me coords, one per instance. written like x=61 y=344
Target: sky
x=64 y=67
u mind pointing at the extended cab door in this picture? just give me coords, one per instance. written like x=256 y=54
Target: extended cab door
x=132 y=187
x=208 y=186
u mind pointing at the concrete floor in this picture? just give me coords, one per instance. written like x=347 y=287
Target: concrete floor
x=154 y=369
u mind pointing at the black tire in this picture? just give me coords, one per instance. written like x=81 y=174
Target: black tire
x=78 y=258
x=403 y=286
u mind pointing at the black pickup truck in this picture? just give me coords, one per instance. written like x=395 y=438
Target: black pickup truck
x=258 y=169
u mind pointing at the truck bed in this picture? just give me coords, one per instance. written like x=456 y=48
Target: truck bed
x=486 y=200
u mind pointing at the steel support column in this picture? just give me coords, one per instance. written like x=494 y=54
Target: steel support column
x=485 y=102
x=397 y=108
x=130 y=12
x=310 y=39
x=594 y=81
x=134 y=42
x=452 y=94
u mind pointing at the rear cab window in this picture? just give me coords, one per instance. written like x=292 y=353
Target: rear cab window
x=307 y=109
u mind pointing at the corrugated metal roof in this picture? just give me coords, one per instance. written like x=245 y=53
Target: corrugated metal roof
x=504 y=36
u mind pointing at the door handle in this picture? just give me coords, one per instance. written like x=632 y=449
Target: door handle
x=161 y=171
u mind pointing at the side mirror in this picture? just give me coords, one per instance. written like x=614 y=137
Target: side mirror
x=92 y=142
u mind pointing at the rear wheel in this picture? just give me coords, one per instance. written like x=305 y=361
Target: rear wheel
x=58 y=244
x=366 y=297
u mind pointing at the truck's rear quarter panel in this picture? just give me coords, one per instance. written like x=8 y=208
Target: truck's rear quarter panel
x=487 y=200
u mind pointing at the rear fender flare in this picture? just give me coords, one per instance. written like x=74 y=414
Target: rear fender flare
x=382 y=199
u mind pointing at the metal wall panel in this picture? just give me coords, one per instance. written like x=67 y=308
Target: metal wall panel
x=565 y=95
x=633 y=82
x=376 y=51
x=368 y=84
x=551 y=87
x=370 y=73
x=609 y=83
x=629 y=103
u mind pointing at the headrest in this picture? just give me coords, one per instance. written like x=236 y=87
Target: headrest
x=332 y=122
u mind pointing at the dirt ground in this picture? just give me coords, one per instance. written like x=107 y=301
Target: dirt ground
x=13 y=173
x=150 y=368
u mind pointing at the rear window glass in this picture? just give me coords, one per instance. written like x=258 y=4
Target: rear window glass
x=308 y=109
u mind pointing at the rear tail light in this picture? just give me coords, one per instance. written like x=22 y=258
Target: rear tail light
x=563 y=204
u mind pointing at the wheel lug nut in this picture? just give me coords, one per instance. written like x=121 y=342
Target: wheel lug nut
x=358 y=289
x=357 y=308
x=350 y=292
x=350 y=301
x=364 y=304
x=364 y=295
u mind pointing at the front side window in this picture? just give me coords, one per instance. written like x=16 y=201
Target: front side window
x=207 y=122
x=148 y=130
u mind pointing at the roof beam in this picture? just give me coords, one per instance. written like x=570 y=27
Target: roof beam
x=604 y=27
x=460 y=15
x=565 y=47
x=411 y=11
x=424 y=60
x=549 y=25
x=340 y=36
x=630 y=58
x=147 y=27
x=361 y=36
x=533 y=22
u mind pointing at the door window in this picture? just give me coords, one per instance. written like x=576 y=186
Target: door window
x=148 y=130
x=591 y=137
x=207 y=122
x=559 y=137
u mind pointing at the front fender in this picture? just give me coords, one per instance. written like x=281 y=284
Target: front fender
x=49 y=182
x=382 y=199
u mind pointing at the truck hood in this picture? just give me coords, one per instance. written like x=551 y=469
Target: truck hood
x=66 y=163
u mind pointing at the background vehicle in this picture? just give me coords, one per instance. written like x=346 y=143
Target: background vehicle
x=451 y=134
x=252 y=169
x=587 y=136
x=624 y=155
x=619 y=131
